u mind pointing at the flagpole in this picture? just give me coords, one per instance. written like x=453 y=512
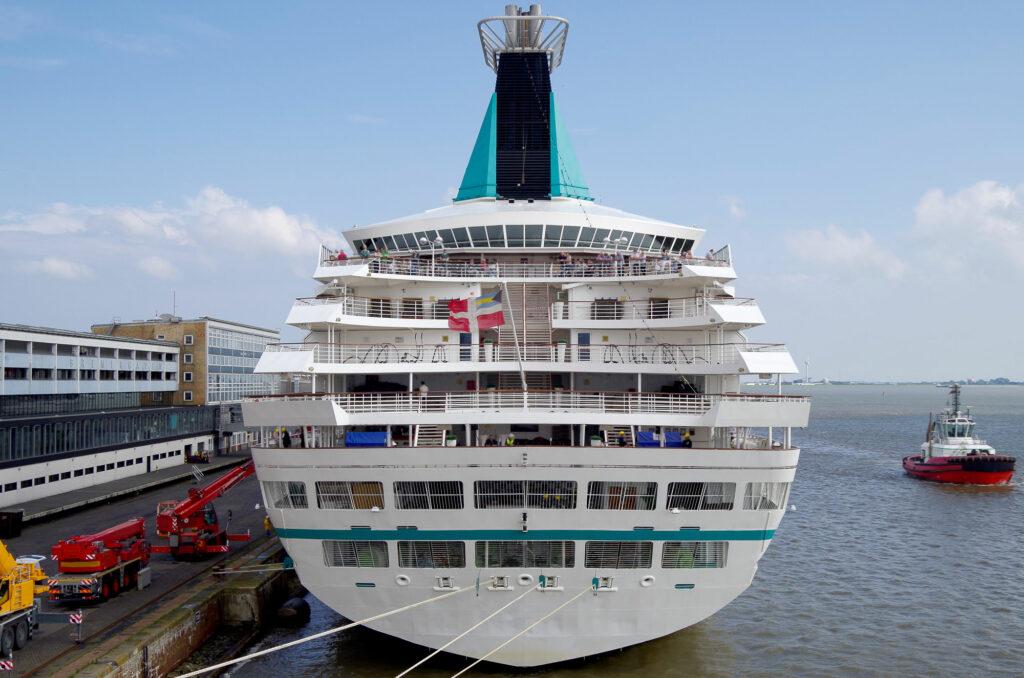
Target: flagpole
x=515 y=334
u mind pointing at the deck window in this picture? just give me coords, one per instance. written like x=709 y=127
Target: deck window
x=433 y=494
x=525 y=554
x=346 y=494
x=285 y=494
x=431 y=554
x=694 y=554
x=701 y=496
x=622 y=496
x=355 y=553
x=765 y=496
x=619 y=554
x=496 y=494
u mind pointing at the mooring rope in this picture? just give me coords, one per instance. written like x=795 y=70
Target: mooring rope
x=465 y=633
x=523 y=632
x=322 y=634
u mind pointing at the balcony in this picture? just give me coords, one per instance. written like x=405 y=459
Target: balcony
x=656 y=313
x=363 y=311
x=588 y=267
x=435 y=358
x=540 y=407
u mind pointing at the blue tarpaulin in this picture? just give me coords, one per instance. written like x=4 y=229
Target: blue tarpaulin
x=366 y=439
x=646 y=439
x=673 y=439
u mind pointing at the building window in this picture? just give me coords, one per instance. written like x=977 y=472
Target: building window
x=441 y=494
x=701 y=496
x=187 y=396
x=431 y=554
x=765 y=496
x=694 y=554
x=558 y=494
x=525 y=554
x=186 y=377
x=285 y=494
x=622 y=496
x=619 y=554
x=187 y=358
x=344 y=494
x=355 y=553
x=190 y=340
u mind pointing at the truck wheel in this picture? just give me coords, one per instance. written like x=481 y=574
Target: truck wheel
x=105 y=589
x=115 y=585
x=7 y=641
x=20 y=634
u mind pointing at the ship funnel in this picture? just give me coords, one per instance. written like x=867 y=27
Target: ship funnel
x=523 y=31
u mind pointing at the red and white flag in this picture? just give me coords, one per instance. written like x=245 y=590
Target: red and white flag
x=484 y=312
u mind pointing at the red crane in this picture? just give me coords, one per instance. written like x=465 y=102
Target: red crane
x=191 y=526
x=98 y=566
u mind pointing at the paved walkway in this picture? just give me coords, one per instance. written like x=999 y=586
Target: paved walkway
x=48 y=507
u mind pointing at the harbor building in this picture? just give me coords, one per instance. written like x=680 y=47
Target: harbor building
x=216 y=364
x=77 y=409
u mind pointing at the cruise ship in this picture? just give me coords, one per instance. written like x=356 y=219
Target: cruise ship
x=526 y=407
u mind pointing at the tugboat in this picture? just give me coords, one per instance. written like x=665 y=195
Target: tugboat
x=951 y=453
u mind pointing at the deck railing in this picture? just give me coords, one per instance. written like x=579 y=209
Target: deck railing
x=614 y=402
x=443 y=267
x=640 y=309
x=677 y=355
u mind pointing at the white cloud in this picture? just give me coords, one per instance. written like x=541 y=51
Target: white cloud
x=834 y=248
x=55 y=267
x=32 y=63
x=736 y=209
x=363 y=119
x=158 y=267
x=982 y=220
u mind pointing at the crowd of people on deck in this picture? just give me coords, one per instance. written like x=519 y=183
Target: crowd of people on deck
x=606 y=264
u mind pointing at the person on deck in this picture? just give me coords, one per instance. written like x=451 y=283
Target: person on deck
x=687 y=442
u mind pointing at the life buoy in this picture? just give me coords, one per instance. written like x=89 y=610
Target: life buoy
x=525 y=579
x=647 y=581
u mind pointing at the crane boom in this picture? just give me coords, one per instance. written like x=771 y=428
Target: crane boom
x=199 y=498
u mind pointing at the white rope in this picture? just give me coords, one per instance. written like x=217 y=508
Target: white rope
x=523 y=632
x=465 y=633
x=320 y=635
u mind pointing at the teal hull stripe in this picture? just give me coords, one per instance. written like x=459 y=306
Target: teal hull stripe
x=532 y=535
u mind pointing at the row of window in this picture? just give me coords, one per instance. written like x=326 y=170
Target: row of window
x=48 y=374
x=28 y=440
x=528 y=554
x=64 y=350
x=87 y=471
x=541 y=494
x=526 y=236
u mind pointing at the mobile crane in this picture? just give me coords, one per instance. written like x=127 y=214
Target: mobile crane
x=20 y=581
x=191 y=525
x=99 y=566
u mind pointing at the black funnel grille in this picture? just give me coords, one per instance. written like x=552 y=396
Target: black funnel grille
x=523 y=155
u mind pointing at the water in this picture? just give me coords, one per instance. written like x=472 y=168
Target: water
x=874 y=573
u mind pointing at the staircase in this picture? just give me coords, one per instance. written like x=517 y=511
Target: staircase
x=611 y=435
x=529 y=305
x=429 y=435
x=535 y=381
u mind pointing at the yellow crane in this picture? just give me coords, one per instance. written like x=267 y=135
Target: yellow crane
x=21 y=580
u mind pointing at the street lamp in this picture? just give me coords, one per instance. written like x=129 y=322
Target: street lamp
x=435 y=243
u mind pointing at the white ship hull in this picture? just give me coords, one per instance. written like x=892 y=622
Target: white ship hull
x=640 y=604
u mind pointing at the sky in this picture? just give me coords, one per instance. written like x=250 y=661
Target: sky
x=865 y=160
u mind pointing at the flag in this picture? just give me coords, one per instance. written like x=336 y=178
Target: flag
x=465 y=315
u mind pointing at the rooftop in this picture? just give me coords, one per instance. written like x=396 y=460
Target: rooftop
x=167 y=319
x=79 y=335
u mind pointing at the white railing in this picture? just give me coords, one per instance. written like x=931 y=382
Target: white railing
x=443 y=267
x=381 y=308
x=494 y=400
x=640 y=309
x=677 y=355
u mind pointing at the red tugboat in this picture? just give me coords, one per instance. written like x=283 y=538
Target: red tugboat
x=951 y=453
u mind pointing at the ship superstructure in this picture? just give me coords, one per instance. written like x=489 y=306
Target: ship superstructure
x=597 y=440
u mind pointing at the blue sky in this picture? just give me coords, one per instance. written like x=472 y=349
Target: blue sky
x=866 y=163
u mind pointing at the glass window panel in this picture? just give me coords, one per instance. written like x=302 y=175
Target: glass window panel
x=552 y=234
x=646 y=242
x=448 y=237
x=570 y=235
x=515 y=235
x=600 y=235
x=533 y=235
x=479 y=236
x=586 y=236
x=496 y=235
x=461 y=236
